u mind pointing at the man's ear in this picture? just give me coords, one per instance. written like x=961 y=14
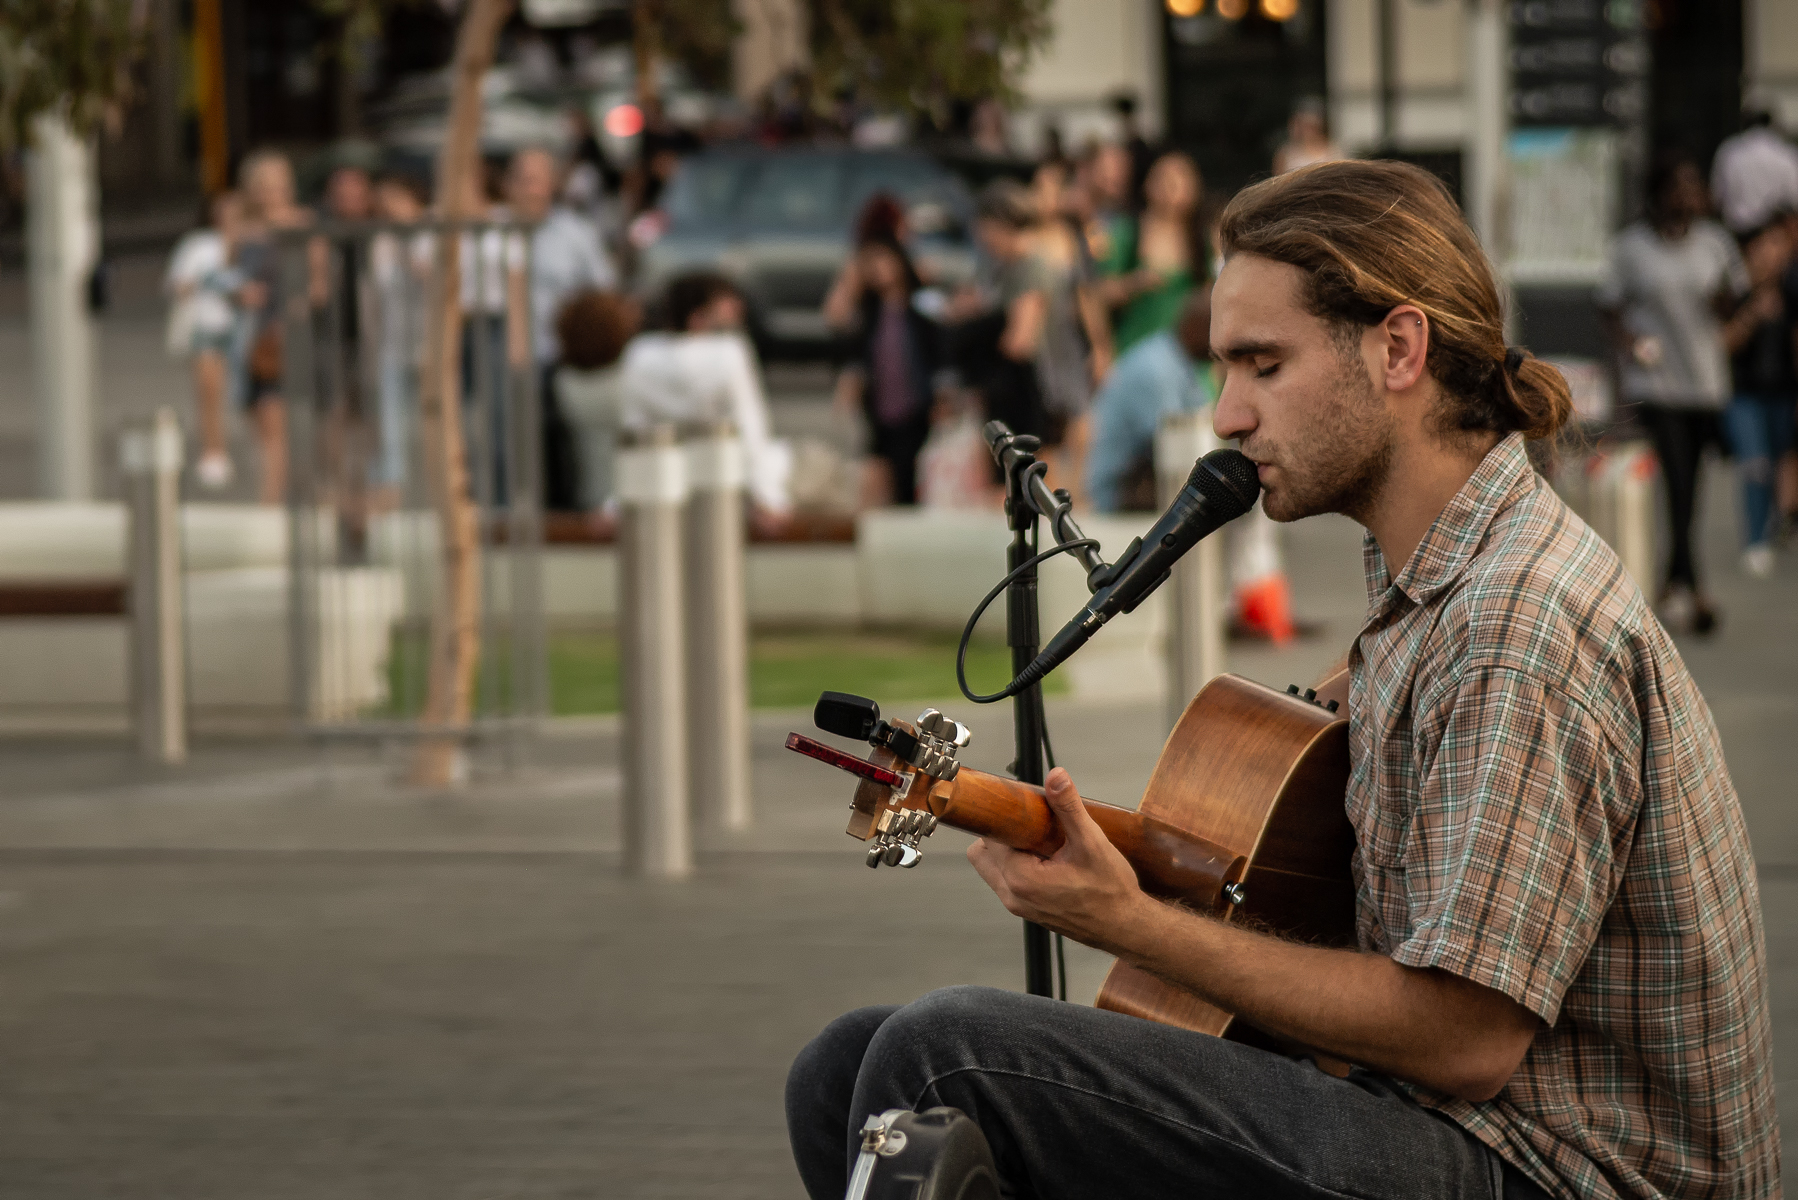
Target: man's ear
x=1404 y=345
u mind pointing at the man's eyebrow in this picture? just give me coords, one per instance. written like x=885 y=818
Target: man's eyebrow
x=1237 y=351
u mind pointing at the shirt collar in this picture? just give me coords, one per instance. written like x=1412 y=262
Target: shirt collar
x=1458 y=529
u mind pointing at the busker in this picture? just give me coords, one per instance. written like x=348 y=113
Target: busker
x=1560 y=983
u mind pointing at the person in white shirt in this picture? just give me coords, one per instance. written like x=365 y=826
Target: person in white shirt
x=1754 y=177
x=702 y=370
x=203 y=288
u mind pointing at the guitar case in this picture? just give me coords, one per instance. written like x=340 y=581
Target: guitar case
x=938 y=1154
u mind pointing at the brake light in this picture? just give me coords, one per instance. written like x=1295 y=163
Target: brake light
x=624 y=121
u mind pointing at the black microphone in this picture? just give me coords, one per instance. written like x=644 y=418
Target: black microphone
x=1223 y=486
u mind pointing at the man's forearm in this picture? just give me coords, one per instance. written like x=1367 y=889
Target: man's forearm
x=1422 y=1026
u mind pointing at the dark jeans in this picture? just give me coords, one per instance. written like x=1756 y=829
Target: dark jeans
x=1680 y=436
x=1078 y=1102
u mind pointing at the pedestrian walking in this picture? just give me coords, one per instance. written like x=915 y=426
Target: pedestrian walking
x=1671 y=278
x=205 y=289
x=1760 y=413
x=266 y=180
x=896 y=356
x=565 y=258
x=997 y=324
x=1076 y=342
x=1164 y=257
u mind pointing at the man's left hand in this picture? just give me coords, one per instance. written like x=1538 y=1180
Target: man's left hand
x=1086 y=890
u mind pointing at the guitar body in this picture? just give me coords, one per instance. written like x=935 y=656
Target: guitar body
x=1243 y=818
x=1262 y=774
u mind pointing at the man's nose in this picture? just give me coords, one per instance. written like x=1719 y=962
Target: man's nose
x=1231 y=418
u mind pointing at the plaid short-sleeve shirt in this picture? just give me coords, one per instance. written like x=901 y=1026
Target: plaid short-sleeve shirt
x=1542 y=807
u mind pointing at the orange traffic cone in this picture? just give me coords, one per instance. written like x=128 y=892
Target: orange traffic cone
x=1262 y=597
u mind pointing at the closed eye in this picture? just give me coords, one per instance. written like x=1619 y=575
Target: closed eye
x=1264 y=372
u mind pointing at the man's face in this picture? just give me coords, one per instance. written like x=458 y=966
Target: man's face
x=1303 y=401
x=348 y=195
x=723 y=313
x=531 y=185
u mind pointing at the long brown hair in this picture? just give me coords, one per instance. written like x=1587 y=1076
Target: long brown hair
x=1373 y=235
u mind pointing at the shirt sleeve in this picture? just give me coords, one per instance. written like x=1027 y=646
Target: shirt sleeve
x=1509 y=862
x=767 y=462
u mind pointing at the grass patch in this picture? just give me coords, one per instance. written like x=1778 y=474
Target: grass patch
x=786 y=670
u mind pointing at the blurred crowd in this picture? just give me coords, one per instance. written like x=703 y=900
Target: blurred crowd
x=1086 y=319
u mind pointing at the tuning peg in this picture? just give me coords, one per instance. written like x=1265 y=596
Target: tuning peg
x=876 y=854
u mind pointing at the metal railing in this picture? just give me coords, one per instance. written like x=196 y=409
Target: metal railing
x=356 y=308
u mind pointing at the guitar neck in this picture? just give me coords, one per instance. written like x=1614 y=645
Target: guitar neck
x=1168 y=862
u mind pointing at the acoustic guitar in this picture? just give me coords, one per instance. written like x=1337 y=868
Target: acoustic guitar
x=1243 y=817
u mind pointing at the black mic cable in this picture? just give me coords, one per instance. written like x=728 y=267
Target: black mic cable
x=1223 y=486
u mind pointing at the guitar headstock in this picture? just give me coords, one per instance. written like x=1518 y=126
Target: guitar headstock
x=891 y=807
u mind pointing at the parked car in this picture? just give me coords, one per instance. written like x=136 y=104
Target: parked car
x=778 y=223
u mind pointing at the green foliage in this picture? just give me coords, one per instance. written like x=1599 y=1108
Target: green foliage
x=920 y=55
x=363 y=22
x=698 y=34
x=72 y=56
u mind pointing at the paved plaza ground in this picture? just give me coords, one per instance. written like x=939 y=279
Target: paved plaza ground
x=275 y=973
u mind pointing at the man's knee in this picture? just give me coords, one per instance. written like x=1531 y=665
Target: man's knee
x=835 y=1055
x=951 y=1025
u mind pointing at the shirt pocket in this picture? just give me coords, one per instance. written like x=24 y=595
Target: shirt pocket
x=1382 y=824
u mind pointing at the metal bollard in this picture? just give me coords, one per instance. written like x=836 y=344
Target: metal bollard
x=717 y=631
x=1196 y=594
x=1631 y=483
x=652 y=489
x=151 y=459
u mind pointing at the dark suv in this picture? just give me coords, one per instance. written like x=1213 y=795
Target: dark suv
x=778 y=223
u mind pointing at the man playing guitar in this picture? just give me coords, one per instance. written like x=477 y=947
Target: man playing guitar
x=1560 y=987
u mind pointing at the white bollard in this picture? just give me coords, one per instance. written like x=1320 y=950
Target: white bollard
x=1197 y=608
x=151 y=459
x=652 y=491
x=1630 y=481
x=717 y=608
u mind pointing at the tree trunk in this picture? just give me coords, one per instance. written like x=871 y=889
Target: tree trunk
x=455 y=625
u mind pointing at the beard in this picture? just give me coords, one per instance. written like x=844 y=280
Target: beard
x=1338 y=463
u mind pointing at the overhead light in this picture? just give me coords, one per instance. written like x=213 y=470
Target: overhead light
x=1279 y=10
x=1185 y=8
x=1233 y=10
x=624 y=121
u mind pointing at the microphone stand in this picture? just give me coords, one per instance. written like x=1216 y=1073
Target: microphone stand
x=1027 y=498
